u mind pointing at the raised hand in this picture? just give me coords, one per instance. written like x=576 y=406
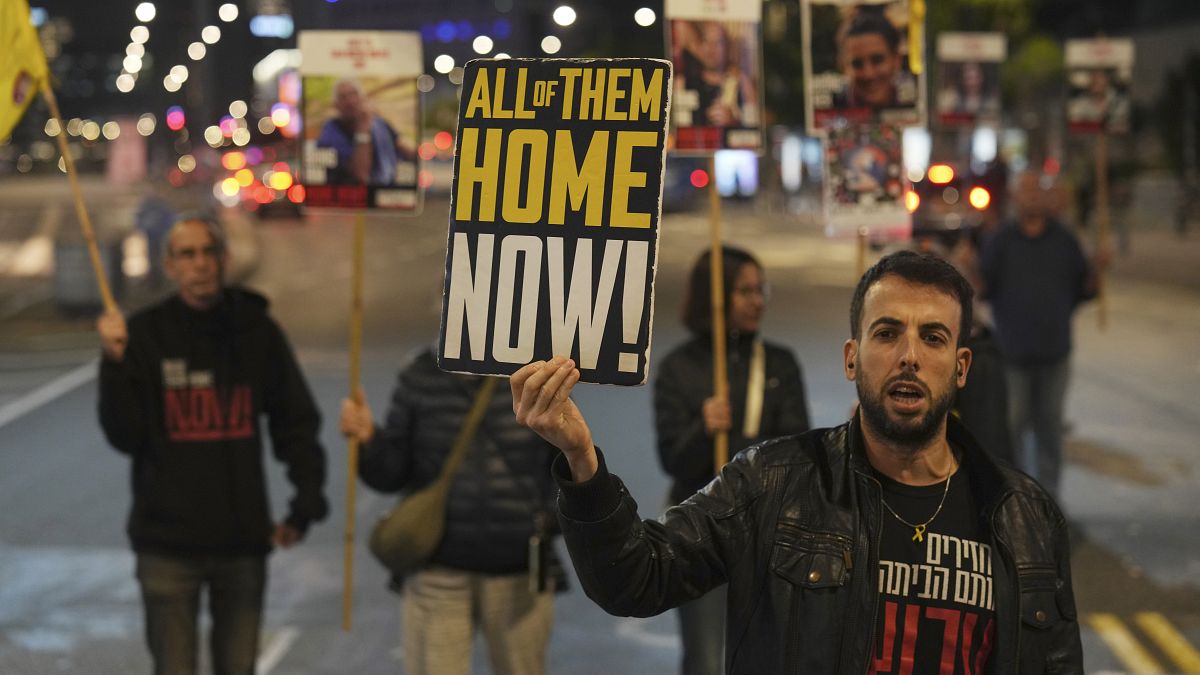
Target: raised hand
x=541 y=393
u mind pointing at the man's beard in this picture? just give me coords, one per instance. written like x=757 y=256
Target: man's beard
x=904 y=433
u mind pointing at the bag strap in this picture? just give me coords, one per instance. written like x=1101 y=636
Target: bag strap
x=755 y=384
x=466 y=434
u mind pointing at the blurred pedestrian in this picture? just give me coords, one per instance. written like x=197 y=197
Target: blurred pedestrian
x=481 y=577
x=766 y=399
x=889 y=544
x=1035 y=274
x=183 y=385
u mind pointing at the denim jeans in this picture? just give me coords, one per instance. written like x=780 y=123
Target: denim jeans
x=702 y=627
x=171 y=588
x=1036 y=397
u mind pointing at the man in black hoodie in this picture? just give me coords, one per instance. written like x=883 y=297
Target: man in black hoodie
x=182 y=387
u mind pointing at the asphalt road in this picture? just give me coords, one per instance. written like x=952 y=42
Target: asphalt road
x=68 y=602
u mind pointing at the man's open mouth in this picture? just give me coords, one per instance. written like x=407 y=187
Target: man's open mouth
x=906 y=392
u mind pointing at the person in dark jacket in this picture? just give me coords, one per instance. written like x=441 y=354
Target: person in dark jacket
x=890 y=544
x=480 y=576
x=766 y=399
x=182 y=388
x=1035 y=275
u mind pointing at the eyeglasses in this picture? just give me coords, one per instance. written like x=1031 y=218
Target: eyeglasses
x=873 y=59
x=192 y=253
x=763 y=291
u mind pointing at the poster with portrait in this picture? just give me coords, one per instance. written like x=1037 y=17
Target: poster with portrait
x=968 y=89
x=717 y=55
x=554 y=215
x=857 y=63
x=1098 y=77
x=362 y=119
x=865 y=183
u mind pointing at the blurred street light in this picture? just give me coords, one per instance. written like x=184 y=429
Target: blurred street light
x=135 y=49
x=564 y=15
x=502 y=55
x=139 y=34
x=125 y=83
x=228 y=12
x=482 y=44
x=132 y=64
x=145 y=12
x=197 y=50
x=52 y=128
x=551 y=44
x=645 y=17
x=210 y=34
x=146 y=124
x=179 y=73
x=238 y=109
x=171 y=84
x=443 y=63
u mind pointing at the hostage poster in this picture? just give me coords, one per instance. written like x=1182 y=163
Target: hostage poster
x=1099 y=73
x=969 y=78
x=864 y=182
x=361 y=118
x=554 y=215
x=717 y=58
x=857 y=64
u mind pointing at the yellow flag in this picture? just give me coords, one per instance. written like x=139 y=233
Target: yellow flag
x=22 y=63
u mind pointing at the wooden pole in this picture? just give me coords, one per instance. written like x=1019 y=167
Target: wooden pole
x=356 y=313
x=1103 y=223
x=717 y=272
x=861 y=257
x=85 y=222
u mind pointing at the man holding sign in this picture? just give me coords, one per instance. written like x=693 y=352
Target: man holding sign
x=889 y=544
x=554 y=216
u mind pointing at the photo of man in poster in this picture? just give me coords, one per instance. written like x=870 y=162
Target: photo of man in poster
x=369 y=150
x=858 y=56
x=366 y=148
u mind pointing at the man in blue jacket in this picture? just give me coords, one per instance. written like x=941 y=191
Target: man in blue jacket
x=890 y=544
x=183 y=386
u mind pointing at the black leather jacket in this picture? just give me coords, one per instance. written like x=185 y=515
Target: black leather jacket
x=793 y=526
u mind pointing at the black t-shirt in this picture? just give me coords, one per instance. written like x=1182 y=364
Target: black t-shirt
x=936 y=611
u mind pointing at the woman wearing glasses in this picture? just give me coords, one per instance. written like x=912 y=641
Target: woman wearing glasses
x=766 y=399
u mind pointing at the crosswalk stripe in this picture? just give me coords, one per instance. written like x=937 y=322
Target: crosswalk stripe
x=275 y=649
x=1123 y=644
x=1169 y=640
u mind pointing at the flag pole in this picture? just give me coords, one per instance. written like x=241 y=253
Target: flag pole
x=85 y=222
x=717 y=288
x=1103 y=224
x=356 y=313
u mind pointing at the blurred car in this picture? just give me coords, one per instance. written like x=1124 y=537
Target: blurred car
x=947 y=202
x=255 y=181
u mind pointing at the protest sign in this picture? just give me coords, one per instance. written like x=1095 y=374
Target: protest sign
x=717 y=57
x=1098 y=77
x=864 y=182
x=554 y=214
x=969 y=77
x=857 y=63
x=361 y=118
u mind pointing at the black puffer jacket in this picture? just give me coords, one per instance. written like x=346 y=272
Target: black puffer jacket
x=503 y=480
x=793 y=526
x=685 y=380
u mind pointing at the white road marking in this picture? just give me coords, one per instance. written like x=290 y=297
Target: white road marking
x=49 y=391
x=275 y=649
